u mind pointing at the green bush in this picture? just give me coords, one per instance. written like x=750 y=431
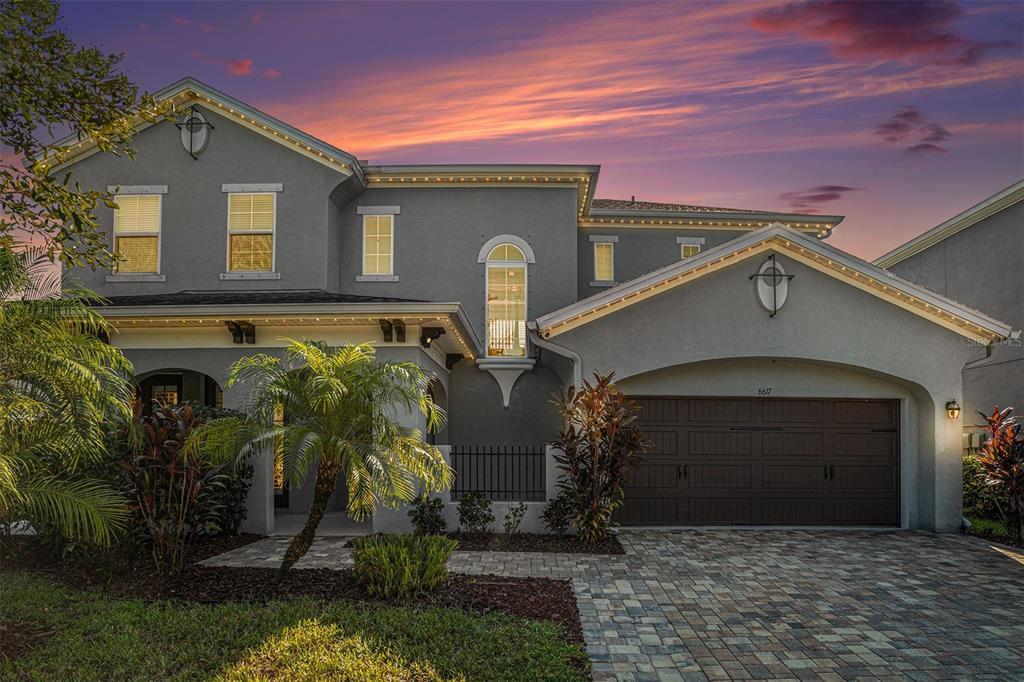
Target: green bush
x=514 y=517
x=399 y=566
x=558 y=513
x=980 y=499
x=427 y=516
x=475 y=515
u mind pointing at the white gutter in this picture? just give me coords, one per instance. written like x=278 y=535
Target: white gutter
x=573 y=356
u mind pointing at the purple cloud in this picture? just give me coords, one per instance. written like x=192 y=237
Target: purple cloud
x=910 y=122
x=920 y=30
x=810 y=200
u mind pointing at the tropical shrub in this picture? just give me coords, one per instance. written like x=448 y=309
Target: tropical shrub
x=599 y=443
x=981 y=500
x=1001 y=460
x=475 y=515
x=559 y=513
x=222 y=501
x=340 y=410
x=427 y=516
x=514 y=517
x=59 y=385
x=399 y=566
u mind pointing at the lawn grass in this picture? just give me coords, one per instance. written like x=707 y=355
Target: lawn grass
x=96 y=637
x=988 y=528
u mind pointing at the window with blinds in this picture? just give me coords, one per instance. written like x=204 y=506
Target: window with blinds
x=137 y=233
x=378 y=244
x=506 y=302
x=251 y=232
x=604 y=262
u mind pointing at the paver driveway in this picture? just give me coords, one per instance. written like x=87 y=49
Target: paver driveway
x=757 y=604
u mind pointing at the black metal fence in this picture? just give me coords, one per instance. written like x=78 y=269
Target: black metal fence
x=502 y=473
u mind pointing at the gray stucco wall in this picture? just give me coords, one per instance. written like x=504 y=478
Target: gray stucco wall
x=439 y=233
x=983 y=267
x=825 y=321
x=194 y=211
x=639 y=251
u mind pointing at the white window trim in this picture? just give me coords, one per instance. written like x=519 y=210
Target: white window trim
x=683 y=242
x=253 y=274
x=489 y=245
x=378 y=210
x=525 y=265
x=137 y=189
x=610 y=245
x=252 y=188
x=604 y=239
x=158 y=233
x=389 y=277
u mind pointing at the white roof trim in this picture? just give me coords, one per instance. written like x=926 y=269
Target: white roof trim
x=864 y=275
x=489 y=245
x=961 y=221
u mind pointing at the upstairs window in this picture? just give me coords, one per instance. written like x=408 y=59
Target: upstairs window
x=137 y=233
x=689 y=246
x=251 y=219
x=506 y=301
x=378 y=245
x=604 y=262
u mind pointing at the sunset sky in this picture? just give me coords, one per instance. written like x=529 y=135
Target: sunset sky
x=895 y=114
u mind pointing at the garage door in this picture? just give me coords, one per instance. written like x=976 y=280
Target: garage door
x=765 y=461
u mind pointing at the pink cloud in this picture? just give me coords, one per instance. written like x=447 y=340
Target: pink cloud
x=207 y=28
x=271 y=73
x=256 y=17
x=239 y=67
x=810 y=200
x=181 y=21
x=909 y=122
x=872 y=29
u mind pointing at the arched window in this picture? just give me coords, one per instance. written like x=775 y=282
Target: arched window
x=506 y=301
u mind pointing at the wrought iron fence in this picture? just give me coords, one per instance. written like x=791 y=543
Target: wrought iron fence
x=502 y=473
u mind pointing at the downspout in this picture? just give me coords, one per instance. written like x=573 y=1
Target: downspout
x=577 y=362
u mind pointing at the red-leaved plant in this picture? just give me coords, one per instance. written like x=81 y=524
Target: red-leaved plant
x=1002 y=463
x=599 y=443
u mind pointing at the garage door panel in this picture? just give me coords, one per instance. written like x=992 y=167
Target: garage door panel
x=662 y=442
x=653 y=476
x=865 y=412
x=653 y=511
x=794 y=510
x=653 y=410
x=720 y=443
x=871 y=444
x=881 y=476
x=712 y=410
x=793 y=477
x=720 y=511
x=718 y=476
x=782 y=411
x=781 y=444
x=865 y=511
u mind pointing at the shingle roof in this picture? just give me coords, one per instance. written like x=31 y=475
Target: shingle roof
x=246 y=297
x=629 y=205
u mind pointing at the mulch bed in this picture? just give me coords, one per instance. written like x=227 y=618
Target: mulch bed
x=533 y=598
x=18 y=637
x=530 y=542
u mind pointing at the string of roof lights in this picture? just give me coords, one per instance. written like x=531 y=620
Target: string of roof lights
x=806 y=253
x=199 y=322
x=821 y=228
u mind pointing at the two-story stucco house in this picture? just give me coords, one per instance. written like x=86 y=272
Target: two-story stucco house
x=781 y=380
x=977 y=257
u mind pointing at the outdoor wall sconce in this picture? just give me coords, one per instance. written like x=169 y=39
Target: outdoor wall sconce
x=429 y=334
x=952 y=409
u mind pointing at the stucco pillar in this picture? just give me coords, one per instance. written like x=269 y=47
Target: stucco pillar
x=259 y=516
x=387 y=520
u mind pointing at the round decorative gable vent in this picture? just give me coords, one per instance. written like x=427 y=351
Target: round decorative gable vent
x=195 y=132
x=772 y=285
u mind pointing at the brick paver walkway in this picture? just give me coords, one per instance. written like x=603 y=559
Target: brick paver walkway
x=759 y=604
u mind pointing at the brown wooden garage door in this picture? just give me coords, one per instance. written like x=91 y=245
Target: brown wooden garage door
x=765 y=461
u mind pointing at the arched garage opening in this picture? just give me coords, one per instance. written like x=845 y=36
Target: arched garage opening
x=779 y=441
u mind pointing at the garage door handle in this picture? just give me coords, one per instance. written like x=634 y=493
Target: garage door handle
x=682 y=471
x=826 y=472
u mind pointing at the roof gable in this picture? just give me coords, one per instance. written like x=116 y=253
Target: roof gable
x=189 y=91
x=809 y=251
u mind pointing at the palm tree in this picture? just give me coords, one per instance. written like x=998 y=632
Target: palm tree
x=342 y=410
x=59 y=384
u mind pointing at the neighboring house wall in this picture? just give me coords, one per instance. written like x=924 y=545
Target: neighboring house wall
x=982 y=266
x=824 y=321
x=639 y=251
x=195 y=209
